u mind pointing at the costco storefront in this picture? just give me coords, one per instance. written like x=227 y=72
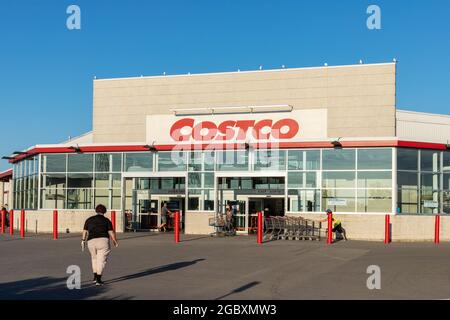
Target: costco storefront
x=286 y=142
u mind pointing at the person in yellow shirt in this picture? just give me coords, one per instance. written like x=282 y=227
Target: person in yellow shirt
x=337 y=226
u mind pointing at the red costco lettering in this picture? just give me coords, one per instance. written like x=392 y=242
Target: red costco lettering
x=186 y=129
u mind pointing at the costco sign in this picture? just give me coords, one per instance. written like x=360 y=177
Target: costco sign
x=256 y=127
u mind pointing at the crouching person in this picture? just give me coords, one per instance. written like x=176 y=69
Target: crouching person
x=98 y=231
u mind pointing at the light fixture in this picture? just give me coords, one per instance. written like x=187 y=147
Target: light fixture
x=20 y=152
x=361 y=62
x=151 y=147
x=337 y=143
x=7 y=158
x=76 y=148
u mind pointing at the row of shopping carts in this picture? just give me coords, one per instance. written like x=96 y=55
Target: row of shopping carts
x=291 y=228
x=223 y=225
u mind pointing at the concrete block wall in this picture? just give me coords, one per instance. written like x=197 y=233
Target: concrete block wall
x=403 y=228
x=42 y=221
x=198 y=223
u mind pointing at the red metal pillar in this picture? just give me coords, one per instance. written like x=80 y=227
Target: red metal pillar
x=387 y=229
x=11 y=222
x=177 y=226
x=260 y=227
x=3 y=221
x=437 y=227
x=330 y=228
x=113 y=220
x=55 y=224
x=22 y=223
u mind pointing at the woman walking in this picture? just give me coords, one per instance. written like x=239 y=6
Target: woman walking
x=97 y=231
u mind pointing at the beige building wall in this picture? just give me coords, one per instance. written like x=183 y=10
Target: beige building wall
x=360 y=100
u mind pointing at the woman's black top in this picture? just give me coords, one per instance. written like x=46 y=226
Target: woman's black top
x=98 y=227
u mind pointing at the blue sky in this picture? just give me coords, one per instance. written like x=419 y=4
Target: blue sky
x=46 y=71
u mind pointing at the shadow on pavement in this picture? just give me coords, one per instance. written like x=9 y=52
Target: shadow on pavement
x=165 y=268
x=240 y=289
x=48 y=288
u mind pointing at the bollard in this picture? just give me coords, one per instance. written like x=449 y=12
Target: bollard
x=22 y=223
x=330 y=228
x=55 y=224
x=177 y=227
x=260 y=228
x=437 y=227
x=113 y=220
x=11 y=222
x=3 y=221
x=387 y=229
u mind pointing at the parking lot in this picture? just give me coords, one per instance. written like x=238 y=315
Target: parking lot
x=152 y=266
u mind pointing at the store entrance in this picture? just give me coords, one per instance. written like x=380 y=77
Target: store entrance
x=268 y=206
x=148 y=195
x=246 y=196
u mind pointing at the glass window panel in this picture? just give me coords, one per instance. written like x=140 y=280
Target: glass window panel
x=195 y=180
x=79 y=180
x=338 y=200
x=408 y=180
x=446 y=181
x=195 y=161
x=172 y=161
x=295 y=160
x=295 y=180
x=408 y=200
x=194 y=199
x=374 y=201
x=246 y=183
x=430 y=202
x=53 y=199
x=304 y=200
x=209 y=180
x=374 y=159
x=446 y=204
x=116 y=199
x=270 y=160
x=54 y=180
x=53 y=163
x=209 y=160
x=371 y=179
x=116 y=162
x=338 y=179
x=311 y=180
x=312 y=160
x=102 y=197
x=138 y=162
x=338 y=159
x=102 y=162
x=102 y=180
x=430 y=181
x=232 y=160
x=430 y=160
x=117 y=180
x=79 y=199
x=446 y=160
x=407 y=159
x=80 y=163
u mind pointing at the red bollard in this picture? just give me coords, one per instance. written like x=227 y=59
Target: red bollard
x=113 y=220
x=55 y=224
x=330 y=228
x=437 y=227
x=387 y=229
x=177 y=227
x=11 y=222
x=260 y=227
x=3 y=221
x=22 y=223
